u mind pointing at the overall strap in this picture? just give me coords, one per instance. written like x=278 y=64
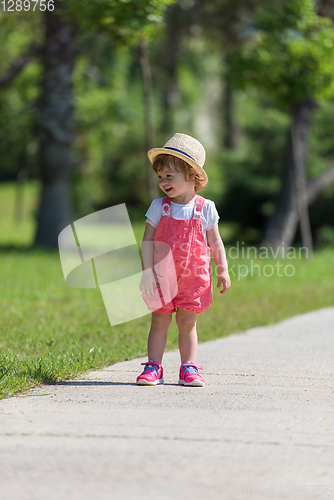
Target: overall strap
x=198 y=207
x=165 y=208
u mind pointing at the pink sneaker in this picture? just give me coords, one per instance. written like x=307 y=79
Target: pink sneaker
x=153 y=374
x=189 y=375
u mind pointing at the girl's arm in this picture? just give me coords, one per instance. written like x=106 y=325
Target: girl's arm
x=148 y=281
x=218 y=252
x=147 y=249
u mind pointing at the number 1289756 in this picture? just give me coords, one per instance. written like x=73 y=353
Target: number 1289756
x=18 y=5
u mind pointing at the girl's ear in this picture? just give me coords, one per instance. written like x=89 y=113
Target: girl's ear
x=191 y=175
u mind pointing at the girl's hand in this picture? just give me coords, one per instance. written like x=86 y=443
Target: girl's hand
x=224 y=278
x=148 y=283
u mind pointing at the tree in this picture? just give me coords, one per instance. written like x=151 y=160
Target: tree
x=289 y=55
x=123 y=21
x=56 y=127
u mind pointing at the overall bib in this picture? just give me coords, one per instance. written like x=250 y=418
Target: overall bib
x=192 y=259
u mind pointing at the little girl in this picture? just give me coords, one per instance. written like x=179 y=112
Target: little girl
x=188 y=223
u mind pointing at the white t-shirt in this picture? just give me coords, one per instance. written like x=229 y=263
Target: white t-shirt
x=209 y=214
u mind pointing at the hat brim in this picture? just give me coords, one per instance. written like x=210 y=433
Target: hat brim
x=153 y=153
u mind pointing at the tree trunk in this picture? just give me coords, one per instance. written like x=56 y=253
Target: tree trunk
x=299 y=143
x=148 y=97
x=325 y=8
x=56 y=128
x=282 y=224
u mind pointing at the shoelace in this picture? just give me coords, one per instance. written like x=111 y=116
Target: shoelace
x=149 y=367
x=191 y=369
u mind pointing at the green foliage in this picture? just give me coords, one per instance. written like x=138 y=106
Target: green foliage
x=252 y=174
x=18 y=110
x=319 y=159
x=321 y=142
x=18 y=145
x=289 y=54
x=17 y=31
x=109 y=152
x=124 y=20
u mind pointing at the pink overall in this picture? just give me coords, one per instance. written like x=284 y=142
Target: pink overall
x=192 y=259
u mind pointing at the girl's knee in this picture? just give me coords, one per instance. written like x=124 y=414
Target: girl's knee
x=186 y=319
x=161 y=320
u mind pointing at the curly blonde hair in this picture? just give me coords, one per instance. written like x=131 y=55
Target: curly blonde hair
x=163 y=160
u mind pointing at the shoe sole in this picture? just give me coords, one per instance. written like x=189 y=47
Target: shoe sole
x=145 y=382
x=194 y=383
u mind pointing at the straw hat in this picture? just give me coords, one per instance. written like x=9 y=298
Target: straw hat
x=185 y=147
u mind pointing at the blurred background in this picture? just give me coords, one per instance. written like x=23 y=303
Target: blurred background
x=87 y=88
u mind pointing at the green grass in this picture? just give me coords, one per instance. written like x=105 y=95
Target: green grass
x=50 y=330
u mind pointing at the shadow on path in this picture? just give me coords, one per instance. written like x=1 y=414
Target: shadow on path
x=93 y=382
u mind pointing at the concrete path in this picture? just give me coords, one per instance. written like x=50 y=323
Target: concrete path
x=262 y=427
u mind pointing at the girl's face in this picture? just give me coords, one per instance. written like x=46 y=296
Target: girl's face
x=174 y=184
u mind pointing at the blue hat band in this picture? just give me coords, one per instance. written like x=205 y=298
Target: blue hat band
x=179 y=151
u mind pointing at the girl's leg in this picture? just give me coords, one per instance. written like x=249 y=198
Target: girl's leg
x=158 y=336
x=186 y=322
